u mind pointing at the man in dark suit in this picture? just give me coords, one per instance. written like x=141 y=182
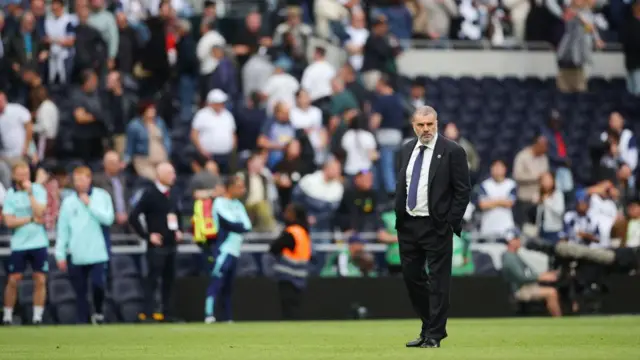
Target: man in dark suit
x=113 y=181
x=432 y=194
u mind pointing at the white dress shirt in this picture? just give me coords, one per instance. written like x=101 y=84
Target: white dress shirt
x=422 y=203
x=316 y=79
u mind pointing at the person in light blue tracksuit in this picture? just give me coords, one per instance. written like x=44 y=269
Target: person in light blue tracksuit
x=83 y=236
x=232 y=220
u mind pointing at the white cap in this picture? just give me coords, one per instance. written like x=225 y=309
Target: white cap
x=216 y=96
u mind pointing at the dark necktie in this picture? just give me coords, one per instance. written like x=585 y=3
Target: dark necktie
x=412 y=198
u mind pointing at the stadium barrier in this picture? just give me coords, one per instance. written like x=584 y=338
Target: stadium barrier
x=257 y=299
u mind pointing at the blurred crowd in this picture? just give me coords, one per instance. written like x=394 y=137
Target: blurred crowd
x=221 y=87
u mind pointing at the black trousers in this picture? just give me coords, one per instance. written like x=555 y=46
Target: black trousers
x=290 y=300
x=161 y=263
x=422 y=242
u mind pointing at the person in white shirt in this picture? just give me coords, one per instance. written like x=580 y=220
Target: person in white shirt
x=213 y=131
x=496 y=200
x=360 y=147
x=316 y=78
x=281 y=86
x=550 y=211
x=603 y=210
x=47 y=119
x=204 y=51
x=309 y=118
x=358 y=35
x=16 y=135
x=60 y=30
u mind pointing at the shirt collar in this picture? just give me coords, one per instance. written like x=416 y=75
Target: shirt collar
x=431 y=144
x=163 y=189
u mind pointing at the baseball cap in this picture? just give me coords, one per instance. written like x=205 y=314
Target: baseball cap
x=216 y=96
x=582 y=195
x=512 y=234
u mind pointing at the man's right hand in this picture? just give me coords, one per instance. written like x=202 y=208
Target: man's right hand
x=122 y=218
x=548 y=276
x=155 y=239
x=62 y=265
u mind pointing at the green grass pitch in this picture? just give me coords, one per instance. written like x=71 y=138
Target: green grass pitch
x=513 y=339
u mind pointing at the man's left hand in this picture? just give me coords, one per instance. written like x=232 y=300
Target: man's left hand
x=84 y=198
x=179 y=236
x=121 y=218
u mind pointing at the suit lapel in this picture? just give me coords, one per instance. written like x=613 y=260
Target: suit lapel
x=436 y=158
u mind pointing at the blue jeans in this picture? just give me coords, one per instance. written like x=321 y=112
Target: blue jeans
x=186 y=93
x=386 y=168
x=633 y=82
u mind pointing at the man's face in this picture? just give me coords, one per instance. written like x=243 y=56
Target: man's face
x=582 y=207
x=57 y=8
x=237 y=190
x=451 y=132
x=332 y=169
x=81 y=182
x=112 y=163
x=38 y=8
x=28 y=22
x=293 y=19
x=166 y=175
x=121 y=19
x=92 y=83
x=634 y=210
x=212 y=167
x=21 y=174
x=97 y=4
x=417 y=92
x=425 y=127
x=282 y=115
x=498 y=171
x=540 y=147
x=616 y=122
x=364 y=181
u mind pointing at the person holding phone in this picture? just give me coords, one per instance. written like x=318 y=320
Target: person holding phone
x=162 y=232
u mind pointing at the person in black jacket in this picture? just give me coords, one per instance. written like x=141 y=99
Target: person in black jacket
x=162 y=233
x=187 y=69
x=630 y=38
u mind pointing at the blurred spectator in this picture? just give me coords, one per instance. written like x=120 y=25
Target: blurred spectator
x=473 y=159
x=387 y=234
x=308 y=118
x=104 y=21
x=47 y=119
x=627 y=142
x=56 y=182
x=417 y=96
x=187 y=69
x=328 y=11
x=129 y=45
x=154 y=69
x=603 y=209
x=321 y=193
x=250 y=117
x=358 y=35
x=16 y=135
x=360 y=147
x=148 y=141
x=558 y=152
x=256 y=73
x=475 y=19
x=529 y=164
x=225 y=76
x=206 y=181
x=550 y=211
x=380 y=52
x=358 y=210
x=524 y=282
x=342 y=100
x=60 y=36
x=257 y=200
x=354 y=85
x=399 y=19
x=316 y=79
x=208 y=62
x=579 y=224
x=630 y=38
x=91 y=123
x=294 y=28
x=25 y=51
x=113 y=181
x=289 y=171
x=610 y=160
x=281 y=86
x=209 y=17
x=118 y=107
x=276 y=133
x=250 y=39
x=387 y=121
x=39 y=10
x=439 y=16
x=518 y=12
x=627 y=228
x=576 y=47
x=496 y=200
x=91 y=51
x=213 y=131
x=625 y=184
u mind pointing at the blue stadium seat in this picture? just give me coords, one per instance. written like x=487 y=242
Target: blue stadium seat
x=247 y=265
x=267 y=263
x=129 y=297
x=124 y=266
x=60 y=291
x=483 y=264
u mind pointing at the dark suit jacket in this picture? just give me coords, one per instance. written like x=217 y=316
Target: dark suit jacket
x=102 y=181
x=449 y=187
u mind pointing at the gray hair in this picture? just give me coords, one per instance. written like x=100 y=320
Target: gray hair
x=184 y=25
x=425 y=111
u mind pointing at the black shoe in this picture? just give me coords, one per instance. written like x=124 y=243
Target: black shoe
x=430 y=343
x=416 y=343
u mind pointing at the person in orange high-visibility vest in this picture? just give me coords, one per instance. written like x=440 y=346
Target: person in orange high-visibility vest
x=293 y=252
